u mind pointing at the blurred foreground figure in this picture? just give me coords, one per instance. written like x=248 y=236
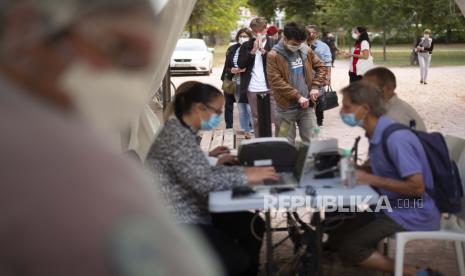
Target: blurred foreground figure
x=69 y=204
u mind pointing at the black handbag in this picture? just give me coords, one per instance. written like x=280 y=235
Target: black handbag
x=327 y=100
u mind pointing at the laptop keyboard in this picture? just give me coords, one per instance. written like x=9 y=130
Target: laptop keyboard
x=284 y=178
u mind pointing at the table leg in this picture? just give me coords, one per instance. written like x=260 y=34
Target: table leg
x=269 y=245
x=319 y=243
x=316 y=222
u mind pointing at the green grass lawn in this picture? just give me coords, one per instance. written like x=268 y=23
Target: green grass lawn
x=220 y=55
x=397 y=55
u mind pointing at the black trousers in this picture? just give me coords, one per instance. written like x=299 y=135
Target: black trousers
x=353 y=77
x=231 y=238
x=319 y=116
x=229 y=109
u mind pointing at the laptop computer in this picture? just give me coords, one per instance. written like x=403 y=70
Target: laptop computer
x=268 y=151
x=290 y=179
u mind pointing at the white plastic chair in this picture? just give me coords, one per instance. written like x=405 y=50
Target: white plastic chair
x=452 y=226
x=455 y=145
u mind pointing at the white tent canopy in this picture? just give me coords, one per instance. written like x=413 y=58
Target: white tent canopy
x=172 y=18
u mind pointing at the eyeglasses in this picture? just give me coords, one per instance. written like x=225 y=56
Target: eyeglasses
x=217 y=111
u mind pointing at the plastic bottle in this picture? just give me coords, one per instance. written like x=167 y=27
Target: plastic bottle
x=316 y=133
x=347 y=169
x=284 y=129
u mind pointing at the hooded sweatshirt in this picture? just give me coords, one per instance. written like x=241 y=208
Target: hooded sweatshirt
x=296 y=67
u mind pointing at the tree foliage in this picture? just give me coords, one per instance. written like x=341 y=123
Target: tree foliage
x=217 y=17
x=391 y=17
x=265 y=8
x=302 y=11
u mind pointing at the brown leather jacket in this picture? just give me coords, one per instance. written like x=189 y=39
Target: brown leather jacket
x=277 y=69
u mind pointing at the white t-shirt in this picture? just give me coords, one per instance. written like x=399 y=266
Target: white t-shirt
x=258 y=81
x=362 y=65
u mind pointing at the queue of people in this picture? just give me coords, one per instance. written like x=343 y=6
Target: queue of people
x=246 y=64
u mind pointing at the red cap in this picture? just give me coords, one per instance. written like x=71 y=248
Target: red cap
x=271 y=30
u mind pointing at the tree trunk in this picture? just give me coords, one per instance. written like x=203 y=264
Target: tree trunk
x=416 y=33
x=191 y=30
x=199 y=33
x=384 y=44
x=448 y=34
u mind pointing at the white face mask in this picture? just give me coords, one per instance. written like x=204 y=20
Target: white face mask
x=355 y=36
x=294 y=48
x=243 y=40
x=107 y=100
x=261 y=36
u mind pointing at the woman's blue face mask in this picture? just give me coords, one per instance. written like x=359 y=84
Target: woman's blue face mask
x=211 y=123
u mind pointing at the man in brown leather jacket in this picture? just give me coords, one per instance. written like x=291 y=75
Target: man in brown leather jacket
x=295 y=75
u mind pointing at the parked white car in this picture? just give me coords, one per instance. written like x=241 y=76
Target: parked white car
x=191 y=56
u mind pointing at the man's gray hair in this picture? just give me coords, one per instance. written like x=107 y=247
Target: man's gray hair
x=364 y=92
x=258 y=22
x=314 y=27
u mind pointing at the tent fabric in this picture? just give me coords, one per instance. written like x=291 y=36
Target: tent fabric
x=172 y=20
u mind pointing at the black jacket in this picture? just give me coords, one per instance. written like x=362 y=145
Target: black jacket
x=247 y=60
x=228 y=65
x=430 y=49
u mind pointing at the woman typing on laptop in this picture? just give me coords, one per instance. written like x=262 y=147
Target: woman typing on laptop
x=187 y=178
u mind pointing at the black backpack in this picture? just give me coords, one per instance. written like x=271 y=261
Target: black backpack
x=447 y=188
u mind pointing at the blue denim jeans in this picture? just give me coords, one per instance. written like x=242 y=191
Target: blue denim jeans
x=245 y=113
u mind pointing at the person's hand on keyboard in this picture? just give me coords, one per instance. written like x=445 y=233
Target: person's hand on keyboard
x=256 y=175
x=227 y=159
x=218 y=151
